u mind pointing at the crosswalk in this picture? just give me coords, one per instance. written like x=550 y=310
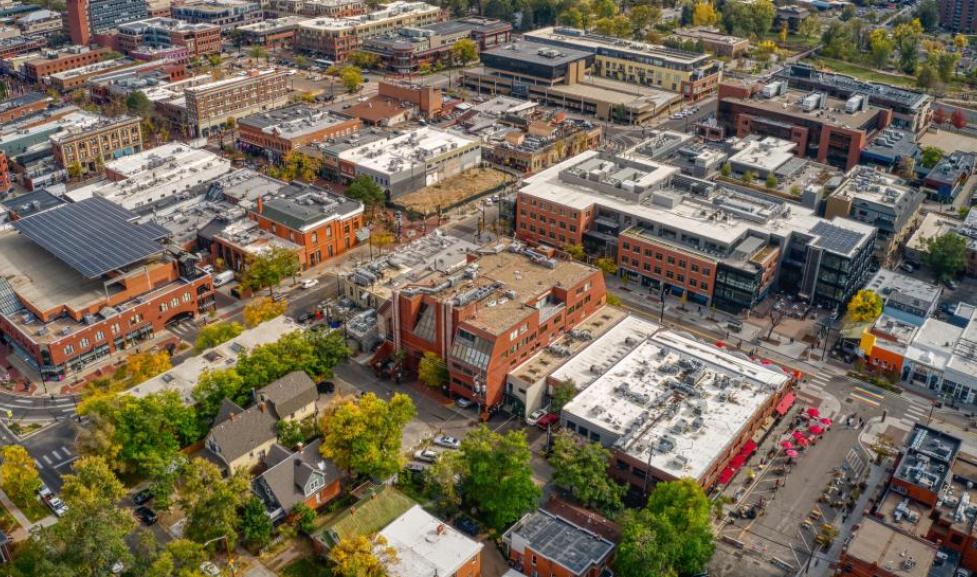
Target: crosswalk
x=55 y=459
x=866 y=396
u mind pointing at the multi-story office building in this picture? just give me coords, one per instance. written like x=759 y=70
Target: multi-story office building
x=911 y=110
x=695 y=76
x=405 y=50
x=86 y=18
x=829 y=130
x=278 y=132
x=77 y=77
x=90 y=148
x=337 y=37
x=691 y=237
x=228 y=14
x=276 y=33
x=54 y=61
x=41 y=22
x=83 y=280
x=210 y=105
x=959 y=15
x=714 y=41
x=314 y=8
x=198 y=39
x=881 y=200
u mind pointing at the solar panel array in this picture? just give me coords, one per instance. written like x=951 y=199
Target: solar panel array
x=93 y=236
x=836 y=239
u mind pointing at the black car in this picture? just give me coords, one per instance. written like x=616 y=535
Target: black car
x=147 y=515
x=142 y=497
x=468 y=525
x=326 y=387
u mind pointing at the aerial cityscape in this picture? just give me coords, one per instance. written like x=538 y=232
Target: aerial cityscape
x=494 y=288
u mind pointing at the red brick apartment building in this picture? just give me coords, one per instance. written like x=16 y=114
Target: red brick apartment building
x=83 y=280
x=22 y=106
x=492 y=315
x=878 y=550
x=4 y=173
x=278 y=132
x=199 y=39
x=54 y=62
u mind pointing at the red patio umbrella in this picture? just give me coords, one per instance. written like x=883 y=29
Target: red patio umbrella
x=816 y=429
x=791 y=453
x=813 y=412
x=802 y=440
x=797 y=435
x=826 y=422
x=787 y=444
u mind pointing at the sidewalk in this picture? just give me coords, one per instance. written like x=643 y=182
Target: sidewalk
x=23 y=532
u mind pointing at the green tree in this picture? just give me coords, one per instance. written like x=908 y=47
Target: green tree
x=928 y=13
x=441 y=481
x=179 y=558
x=672 y=535
x=809 y=27
x=265 y=363
x=18 y=473
x=163 y=477
x=848 y=12
x=575 y=251
x=771 y=181
x=258 y=53
x=432 y=371
x=563 y=393
x=907 y=37
x=365 y=190
x=946 y=255
x=581 y=470
x=263 y=309
x=931 y=156
x=304 y=518
x=269 y=268
x=753 y=20
x=726 y=170
x=289 y=432
x=211 y=502
x=352 y=78
x=217 y=333
x=365 y=435
x=882 y=47
x=464 y=50
x=498 y=480
x=139 y=104
x=256 y=525
x=328 y=351
x=213 y=386
x=607 y=264
x=748 y=177
x=866 y=305
x=642 y=17
x=362 y=59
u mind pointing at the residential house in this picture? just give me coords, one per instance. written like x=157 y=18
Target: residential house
x=303 y=476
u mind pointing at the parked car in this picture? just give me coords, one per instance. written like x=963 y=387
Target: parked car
x=306 y=318
x=468 y=525
x=548 y=420
x=463 y=403
x=58 y=506
x=44 y=493
x=908 y=267
x=142 y=497
x=309 y=283
x=208 y=568
x=426 y=455
x=535 y=416
x=147 y=515
x=447 y=442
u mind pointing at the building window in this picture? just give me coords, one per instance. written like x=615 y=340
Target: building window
x=187 y=297
x=99 y=336
x=315 y=238
x=83 y=343
x=68 y=349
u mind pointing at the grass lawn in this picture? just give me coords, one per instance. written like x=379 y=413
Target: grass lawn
x=864 y=72
x=306 y=567
x=373 y=513
x=7 y=521
x=32 y=507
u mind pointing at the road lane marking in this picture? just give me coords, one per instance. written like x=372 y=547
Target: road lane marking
x=46 y=459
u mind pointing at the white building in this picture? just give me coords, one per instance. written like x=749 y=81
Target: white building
x=427 y=546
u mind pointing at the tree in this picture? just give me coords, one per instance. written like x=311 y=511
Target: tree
x=258 y=52
x=304 y=517
x=726 y=170
x=361 y=556
x=946 y=255
x=960 y=41
x=464 y=50
x=928 y=14
x=256 y=525
x=498 y=480
x=704 y=14
x=749 y=19
x=267 y=269
x=211 y=502
x=881 y=46
x=263 y=309
x=179 y=558
x=230 y=123
x=931 y=156
x=575 y=251
x=163 y=477
x=328 y=350
x=604 y=8
x=958 y=119
x=365 y=190
x=907 y=36
x=140 y=367
x=939 y=115
x=865 y=306
x=643 y=16
x=381 y=238
x=74 y=170
x=809 y=27
x=783 y=34
x=563 y=393
x=289 y=432
x=848 y=12
x=827 y=533
x=672 y=535
x=771 y=181
x=139 y=104
x=212 y=388
x=216 y=333
x=365 y=435
x=441 y=481
x=607 y=264
x=432 y=371
x=748 y=177
x=351 y=77
x=18 y=473
x=581 y=470
x=91 y=536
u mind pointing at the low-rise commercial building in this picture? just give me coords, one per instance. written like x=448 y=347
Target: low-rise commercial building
x=10 y=47
x=893 y=149
x=945 y=180
x=20 y=106
x=276 y=33
x=314 y=8
x=83 y=280
x=714 y=41
x=405 y=50
x=144 y=78
x=335 y=38
x=397 y=102
x=60 y=61
x=831 y=131
x=426 y=545
x=881 y=200
x=534 y=146
x=198 y=39
x=88 y=149
x=40 y=22
x=208 y=106
x=279 y=132
x=877 y=550
x=76 y=78
x=694 y=76
x=546 y=544
x=227 y=14
x=935 y=225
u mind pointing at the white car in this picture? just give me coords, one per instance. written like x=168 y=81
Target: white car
x=309 y=283
x=426 y=455
x=535 y=416
x=447 y=442
x=208 y=568
x=58 y=506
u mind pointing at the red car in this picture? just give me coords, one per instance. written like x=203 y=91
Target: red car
x=548 y=420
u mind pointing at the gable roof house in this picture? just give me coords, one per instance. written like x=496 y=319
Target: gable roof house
x=303 y=476
x=292 y=396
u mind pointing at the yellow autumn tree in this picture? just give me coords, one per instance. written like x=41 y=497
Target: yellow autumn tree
x=704 y=14
x=865 y=306
x=18 y=472
x=263 y=309
x=140 y=367
x=361 y=556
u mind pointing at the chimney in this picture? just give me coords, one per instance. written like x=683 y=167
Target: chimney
x=261 y=204
x=261 y=406
x=440 y=529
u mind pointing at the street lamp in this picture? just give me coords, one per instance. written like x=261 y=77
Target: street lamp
x=227 y=547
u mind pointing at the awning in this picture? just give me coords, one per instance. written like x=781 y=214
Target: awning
x=726 y=476
x=785 y=403
x=748 y=449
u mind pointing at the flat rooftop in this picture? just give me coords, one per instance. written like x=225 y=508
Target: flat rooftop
x=595 y=43
x=953 y=167
x=273 y=25
x=766 y=154
x=537 y=53
x=183 y=377
x=831 y=111
x=927 y=459
x=301 y=206
x=891 y=549
x=605 y=351
x=710 y=34
x=903 y=288
x=71 y=132
x=807 y=73
x=92 y=69
x=402 y=152
x=246 y=235
x=892 y=142
x=391 y=11
x=25 y=100
x=162 y=23
x=292 y=121
x=675 y=403
x=427 y=546
x=870 y=185
x=241 y=77
x=560 y=541
x=933 y=344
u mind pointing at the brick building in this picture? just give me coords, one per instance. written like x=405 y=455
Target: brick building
x=278 y=132
x=543 y=543
x=86 y=18
x=10 y=47
x=5 y=182
x=90 y=148
x=21 y=106
x=315 y=8
x=61 y=61
x=878 y=550
x=404 y=50
x=83 y=280
x=959 y=15
x=199 y=39
x=228 y=14
x=714 y=41
x=276 y=33
x=210 y=105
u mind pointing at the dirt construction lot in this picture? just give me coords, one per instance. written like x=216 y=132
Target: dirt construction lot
x=452 y=191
